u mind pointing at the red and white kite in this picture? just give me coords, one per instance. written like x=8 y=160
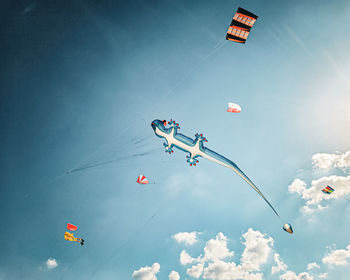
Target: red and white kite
x=142 y=180
x=233 y=108
x=72 y=227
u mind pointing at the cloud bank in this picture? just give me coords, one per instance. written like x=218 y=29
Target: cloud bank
x=328 y=161
x=315 y=199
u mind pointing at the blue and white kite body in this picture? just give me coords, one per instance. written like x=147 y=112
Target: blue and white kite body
x=196 y=149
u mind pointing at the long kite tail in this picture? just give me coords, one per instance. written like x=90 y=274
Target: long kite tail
x=245 y=178
x=214 y=156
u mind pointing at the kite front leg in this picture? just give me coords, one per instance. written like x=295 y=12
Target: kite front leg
x=174 y=124
x=168 y=148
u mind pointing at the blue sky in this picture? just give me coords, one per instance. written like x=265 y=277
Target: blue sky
x=82 y=81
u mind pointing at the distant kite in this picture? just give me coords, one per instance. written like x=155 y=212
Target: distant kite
x=288 y=228
x=328 y=190
x=72 y=227
x=233 y=108
x=142 y=180
x=240 y=26
x=70 y=236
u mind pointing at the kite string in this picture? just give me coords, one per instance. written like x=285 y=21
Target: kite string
x=217 y=47
x=126 y=242
x=115 y=253
x=113 y=160
x=135 y=141
x=112 y=155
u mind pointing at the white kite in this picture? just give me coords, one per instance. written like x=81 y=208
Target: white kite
x=233 y=108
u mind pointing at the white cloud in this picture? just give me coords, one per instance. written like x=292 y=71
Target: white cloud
x=280 y=265
x=212 y=264
x=51 y=263
x=323 y=160
x=323 y=275
x=328 y=161
x=257 y=249
x=185 y=258
x=344 y=160
x=188 y=238
x=216 y=249
x=174 y=275
x=309 y=210
x=314 y=195
x=196 y=270
x=298 y=186
x=228 y=271
x=312 y=265
x=337 y=257
x=291 y=275
x=147 y=273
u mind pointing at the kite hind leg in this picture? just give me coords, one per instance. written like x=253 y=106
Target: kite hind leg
x=192 y=160
x=200 y=137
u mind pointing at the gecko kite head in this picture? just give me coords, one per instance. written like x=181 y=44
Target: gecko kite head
x=159 y=127
x=158 y=124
